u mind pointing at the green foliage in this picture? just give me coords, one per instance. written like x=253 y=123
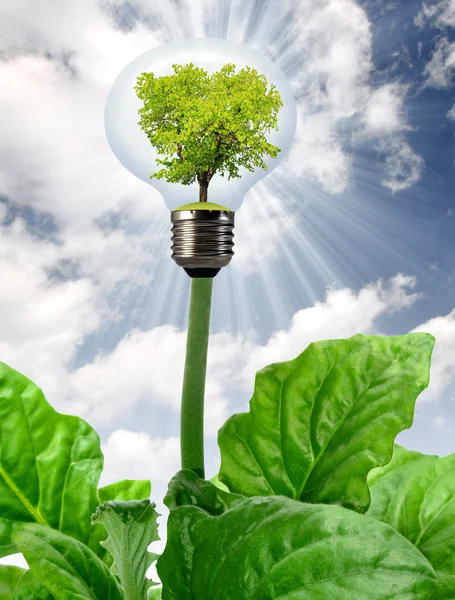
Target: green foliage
x=9 y=578
x=126 y=490
x=320 y=430
x=29 y=587
x=275 y=547
x=205 y=124
x=65 y=566
x=415 y=494
x=186 y=488
x=50 y=466
x=50 y=463
x=319 y=423
x=131 y=527
x=17 y=583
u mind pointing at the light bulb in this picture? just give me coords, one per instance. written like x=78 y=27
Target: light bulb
x=202 y=232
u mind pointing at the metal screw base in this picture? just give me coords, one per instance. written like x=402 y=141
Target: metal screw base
x=202 y=240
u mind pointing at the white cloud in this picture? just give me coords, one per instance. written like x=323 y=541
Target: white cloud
x=136 y=455
x=148 y=366
x=440 y=69
x=317 y=152
x=333 y=44
x=54 y=156
x=42 y=323
x=403 y=166
x=443 y=11
x=443 y=364
x=99 y=49
x=384 y=110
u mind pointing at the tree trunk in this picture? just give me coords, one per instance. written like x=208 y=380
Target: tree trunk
x=203 y=188
x=203 y=180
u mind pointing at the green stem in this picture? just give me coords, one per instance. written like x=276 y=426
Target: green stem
x=192 y=413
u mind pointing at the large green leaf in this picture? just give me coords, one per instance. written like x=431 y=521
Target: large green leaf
x=127 y=489
x=29 y=588
x=65 y=566
x=319 y=423
x=17 y=583
x=276 y=548
x=9 y=576
x=132 y=528
x=186 y=488
x=49 y=463
x=415 y=494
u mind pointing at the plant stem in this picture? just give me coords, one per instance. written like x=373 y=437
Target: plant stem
x=192 y=412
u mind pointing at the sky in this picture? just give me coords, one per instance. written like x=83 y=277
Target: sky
x=354 y=231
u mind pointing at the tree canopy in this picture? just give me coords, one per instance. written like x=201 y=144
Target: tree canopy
x=205 y=124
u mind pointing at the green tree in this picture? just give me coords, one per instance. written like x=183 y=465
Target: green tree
x=205 y=124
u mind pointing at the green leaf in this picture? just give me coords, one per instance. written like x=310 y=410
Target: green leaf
x=127 y=489
x=319 y=423
x=29 y=587
x=131 y=527
x=65 y=566
x=415 y=494
x=9 y=577
x=49 y=463
x=216 y=482
x=155 y=593
x=276 y=548
x=186 y=488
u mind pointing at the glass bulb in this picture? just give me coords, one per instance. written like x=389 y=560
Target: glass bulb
x=132 y=147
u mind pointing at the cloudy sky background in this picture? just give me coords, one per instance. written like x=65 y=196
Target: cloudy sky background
x=353 y=233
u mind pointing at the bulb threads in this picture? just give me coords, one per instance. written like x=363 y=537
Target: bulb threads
x=202 y=240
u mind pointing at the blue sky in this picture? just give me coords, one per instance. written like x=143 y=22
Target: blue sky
x=353 y=232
